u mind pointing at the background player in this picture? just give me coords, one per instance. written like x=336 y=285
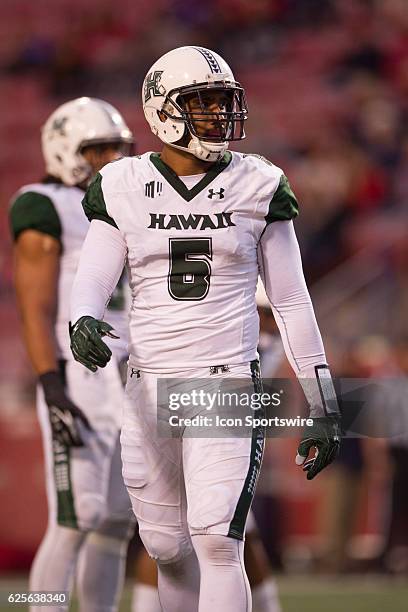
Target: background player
x=90 y=520
x=195 y=224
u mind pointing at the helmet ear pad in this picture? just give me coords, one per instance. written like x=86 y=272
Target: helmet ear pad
x=186 y=138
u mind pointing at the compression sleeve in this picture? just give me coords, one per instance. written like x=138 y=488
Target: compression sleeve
x=282 y=275
x=100 y=266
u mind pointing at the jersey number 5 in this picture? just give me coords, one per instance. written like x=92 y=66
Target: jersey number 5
x=190 y=268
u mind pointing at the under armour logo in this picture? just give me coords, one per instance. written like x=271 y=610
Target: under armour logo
x=153 y=189
x=220 y=193
x=152 y=85
x=134 y=372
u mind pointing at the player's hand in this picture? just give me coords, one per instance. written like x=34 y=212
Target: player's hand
x=64 y=415
x=324 y=437
x=87 y=345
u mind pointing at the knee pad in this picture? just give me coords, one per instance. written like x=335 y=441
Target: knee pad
x=165 y=545
x=90 y=509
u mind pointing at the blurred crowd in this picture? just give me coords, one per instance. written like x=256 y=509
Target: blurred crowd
x=327 y=87
x=327 y=84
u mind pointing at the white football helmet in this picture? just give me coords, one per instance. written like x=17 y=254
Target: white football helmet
x=183 y=74
x=74 y=125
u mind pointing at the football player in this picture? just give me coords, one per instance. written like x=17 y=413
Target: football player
x=195 y=223
x=90 y=518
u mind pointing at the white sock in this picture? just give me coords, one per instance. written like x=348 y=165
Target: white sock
x=224 y=585
x=101 y=573
x=265 y=597
x=54 y=564
x=179 y=585
x=145 y=598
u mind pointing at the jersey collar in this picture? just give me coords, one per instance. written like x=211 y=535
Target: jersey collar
x=177 y=184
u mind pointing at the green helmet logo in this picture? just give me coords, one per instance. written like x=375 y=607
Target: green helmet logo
x=152 y=85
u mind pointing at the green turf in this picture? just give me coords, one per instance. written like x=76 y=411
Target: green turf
x=373 y=594
x=300 y=594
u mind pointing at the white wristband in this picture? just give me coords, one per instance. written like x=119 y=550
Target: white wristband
x=319 y=391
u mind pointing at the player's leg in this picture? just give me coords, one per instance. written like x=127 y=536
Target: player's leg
x=100 y=395
x=263 y=586
x=54 y=564
x=179 y=584
x=220 y=478
x=102 y=562
x=223 y=584
x=145 y=596
x=216 y=537
x=153 y=475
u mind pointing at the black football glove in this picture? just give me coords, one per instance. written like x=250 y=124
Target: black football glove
x=64 y=415
x=86 y=342
x=324 y=437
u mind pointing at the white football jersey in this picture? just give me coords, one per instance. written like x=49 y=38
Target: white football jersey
x=192 y=254
x=56 y=209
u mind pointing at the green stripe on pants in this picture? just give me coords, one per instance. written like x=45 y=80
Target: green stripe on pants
x=237 y=525
x=66 y=515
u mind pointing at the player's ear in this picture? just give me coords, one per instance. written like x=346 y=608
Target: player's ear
x=162 y=116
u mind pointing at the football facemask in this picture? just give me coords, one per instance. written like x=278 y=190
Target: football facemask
x=213 y=112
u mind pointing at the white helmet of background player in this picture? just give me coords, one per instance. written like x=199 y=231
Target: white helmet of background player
x=72 y=127
x=172 y=80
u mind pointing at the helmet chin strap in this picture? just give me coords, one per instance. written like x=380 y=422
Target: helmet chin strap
x=206 y=151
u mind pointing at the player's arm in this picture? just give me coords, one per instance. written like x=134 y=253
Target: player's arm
x=36 y=277
x=100 y=267
x=36 y=231
x=282 y=274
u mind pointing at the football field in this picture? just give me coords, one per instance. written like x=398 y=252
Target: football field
x=299 y=594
